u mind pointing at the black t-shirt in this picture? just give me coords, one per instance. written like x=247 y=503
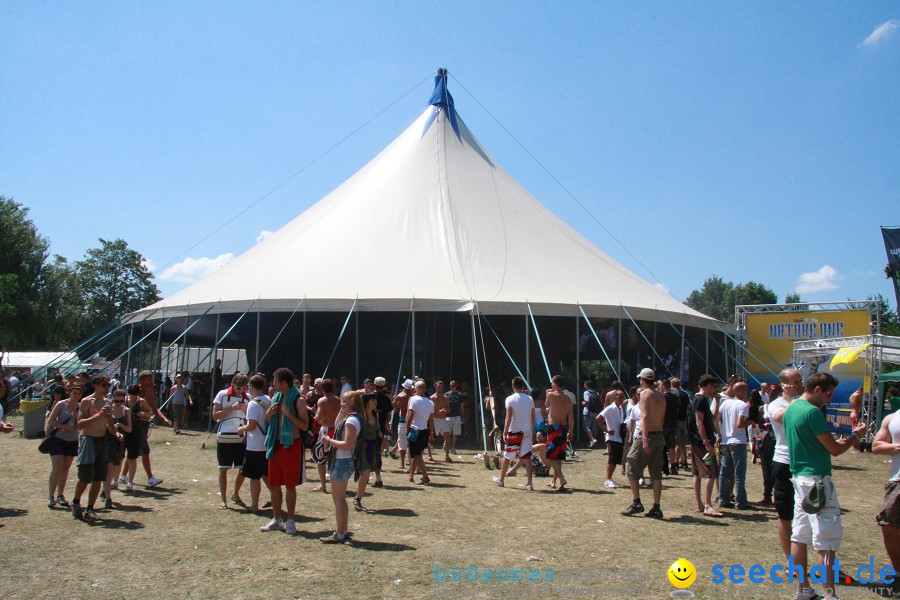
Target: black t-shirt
x=684 y=404
x=383 y=407
x=671 y=419
x=455 y=398
x=701 y=404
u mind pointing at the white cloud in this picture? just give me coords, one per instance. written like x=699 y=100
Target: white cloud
x=264 y=235
x=882 y=32
x=148 y=264
x=818 y=281
x=192 y=269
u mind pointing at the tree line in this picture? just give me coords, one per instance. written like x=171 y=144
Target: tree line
x=49 y=303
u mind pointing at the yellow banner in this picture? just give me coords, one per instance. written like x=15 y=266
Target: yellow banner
x=772 y=335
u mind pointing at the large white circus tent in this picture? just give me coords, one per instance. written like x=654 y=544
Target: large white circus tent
x=431 y=225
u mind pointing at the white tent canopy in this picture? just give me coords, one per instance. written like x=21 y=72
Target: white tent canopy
x=432 y=220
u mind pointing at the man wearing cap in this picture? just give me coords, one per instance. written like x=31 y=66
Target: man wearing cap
x=383 y=409
x=441 y=412
x=313 y=395
x=811 y=446
x=401 y=403
x=327 y=409
x=648 y=450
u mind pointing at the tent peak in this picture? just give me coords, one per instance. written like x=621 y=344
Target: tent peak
x=442 y=98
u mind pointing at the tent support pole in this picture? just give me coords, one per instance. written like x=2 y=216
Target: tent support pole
x=527 y=351
x=578 y=371
x=655 y=323
x=256 y=353
x=128 y=354
x=479 y=412
x=303 y=351
x=356 y=371
x=681 y=356
x=212 y=379
x=159 y=349
x=413 y=349
x=619 y=350
x=706 y=358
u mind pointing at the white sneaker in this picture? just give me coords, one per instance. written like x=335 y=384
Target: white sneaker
x=615 y=483
x=123 y=480
x=609 y=483
x=154 y=481
x=498 y=481
x=290 y=527
x=114 y=485
x=129 y=487
x=528 y=487
x=274 y=525
x=592 y=444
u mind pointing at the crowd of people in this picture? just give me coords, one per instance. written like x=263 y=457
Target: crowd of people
x=655 y=430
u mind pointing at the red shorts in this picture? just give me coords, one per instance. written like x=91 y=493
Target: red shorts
x=284 y=466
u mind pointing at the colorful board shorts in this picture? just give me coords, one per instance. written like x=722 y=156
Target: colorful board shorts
x=557 y=441
x=518 y=445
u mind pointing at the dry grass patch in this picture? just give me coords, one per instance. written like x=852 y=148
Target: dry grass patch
x=174 y=541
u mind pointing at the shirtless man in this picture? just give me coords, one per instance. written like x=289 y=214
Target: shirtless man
x=856 y=399
x=148 y=393
x=648 y=450
x=561 y=421
x=401 y=403
x=327 y=409
x=441 y=411
x=94 y=420
x=305 y=385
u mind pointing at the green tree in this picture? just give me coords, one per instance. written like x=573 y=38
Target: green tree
x=63 y=305
x=710 y=299
x=114 y=282
x=23 y=252
x=717 y=298
x=793 y=298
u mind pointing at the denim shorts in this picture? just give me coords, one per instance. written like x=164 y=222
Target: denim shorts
x=341 y=469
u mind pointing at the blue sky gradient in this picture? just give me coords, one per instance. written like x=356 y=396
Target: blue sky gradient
x=757 y=141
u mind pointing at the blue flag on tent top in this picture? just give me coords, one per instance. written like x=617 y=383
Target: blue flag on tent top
x=441 y=98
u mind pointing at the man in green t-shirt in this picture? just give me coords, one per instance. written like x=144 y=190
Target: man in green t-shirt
x=811 y=447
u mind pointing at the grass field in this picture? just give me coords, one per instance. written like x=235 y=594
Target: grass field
x=174 y=541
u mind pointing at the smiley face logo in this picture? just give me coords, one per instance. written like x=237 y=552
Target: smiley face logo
x=682 y=573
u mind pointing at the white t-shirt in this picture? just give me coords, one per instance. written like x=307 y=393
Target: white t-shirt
x=256 y=411
x=782 y=454
x=521 y=405
x=352 y=421
x=634 y=415
x=613 y=415
x=228 y=426
x=422 y=408
x=731 y=409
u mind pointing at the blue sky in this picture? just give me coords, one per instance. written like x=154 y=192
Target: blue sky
x=756 y=141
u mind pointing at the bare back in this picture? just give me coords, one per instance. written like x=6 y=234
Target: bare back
x=327 y=409
x=653 y=410
x=559 y=407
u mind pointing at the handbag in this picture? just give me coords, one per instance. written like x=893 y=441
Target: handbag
x=412 y=434
x=44 y=446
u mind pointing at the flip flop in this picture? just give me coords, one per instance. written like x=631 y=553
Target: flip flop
x=711 y=512
x=238 y=501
